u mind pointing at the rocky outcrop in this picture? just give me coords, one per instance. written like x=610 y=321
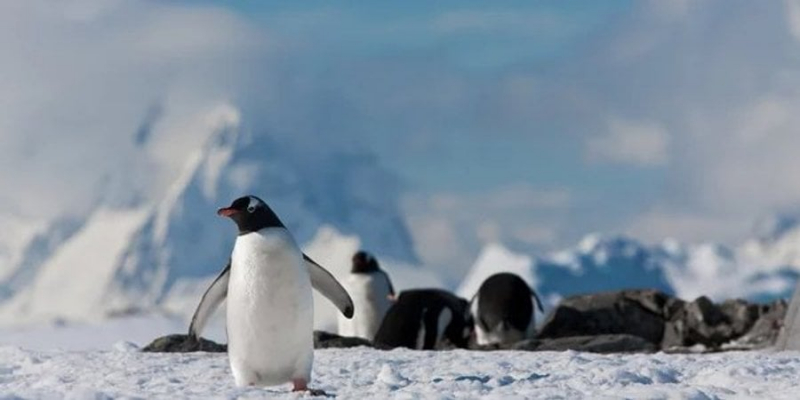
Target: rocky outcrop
x=183 y=344
x=327 y=340
x=612 y=343
x=669 y=323
x=639 y=313
x=187 y=344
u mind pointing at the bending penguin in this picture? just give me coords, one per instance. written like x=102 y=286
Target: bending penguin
x=372 y=294
x=503 y=310
x=268 y=283
x=425 y=319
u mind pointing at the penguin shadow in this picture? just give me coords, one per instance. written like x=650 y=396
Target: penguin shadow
x=274 y=392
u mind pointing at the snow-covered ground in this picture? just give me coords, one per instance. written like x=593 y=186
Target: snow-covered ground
x=122 y=372
x=101 y=360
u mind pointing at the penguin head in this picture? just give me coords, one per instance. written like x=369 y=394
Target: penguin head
x=251 y=214
x=364 y=263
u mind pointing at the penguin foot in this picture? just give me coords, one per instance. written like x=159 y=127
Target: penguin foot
x=300 y=385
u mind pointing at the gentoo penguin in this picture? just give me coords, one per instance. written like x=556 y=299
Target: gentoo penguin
x=372 y=293
x=422 y=318
x=503 y=310
x=268 y=283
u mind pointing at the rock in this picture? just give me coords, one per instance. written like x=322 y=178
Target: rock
x=741 y=314
x=183 y=344
x=325 y=340
x=713 y=326
x=593 y=344
x=672 y=324
x=699 y=322
x=640 y=313
x=765 y=330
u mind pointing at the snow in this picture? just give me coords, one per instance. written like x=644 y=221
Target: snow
x=50 y=296
x=70 y=361
x=122 y=372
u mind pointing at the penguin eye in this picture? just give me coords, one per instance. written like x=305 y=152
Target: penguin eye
x=251 y=209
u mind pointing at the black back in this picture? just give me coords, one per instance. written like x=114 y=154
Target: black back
x=505 y=298
x=251 y=214
x=413 y=308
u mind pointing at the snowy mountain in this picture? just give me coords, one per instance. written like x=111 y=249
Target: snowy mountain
x=760 y=269
x=134 y=250
x=151 y=240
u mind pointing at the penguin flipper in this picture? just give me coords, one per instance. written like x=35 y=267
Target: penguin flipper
x=324 y=282
x=538 y=300
x=212 y=298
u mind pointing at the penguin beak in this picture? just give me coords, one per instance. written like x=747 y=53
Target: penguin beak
x=226 y=211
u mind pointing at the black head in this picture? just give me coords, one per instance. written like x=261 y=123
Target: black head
x=251 y=214
x=364 y=262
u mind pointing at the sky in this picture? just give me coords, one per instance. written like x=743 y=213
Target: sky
x=528 y=123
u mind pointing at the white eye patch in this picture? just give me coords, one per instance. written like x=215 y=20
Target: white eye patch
x=254 y=203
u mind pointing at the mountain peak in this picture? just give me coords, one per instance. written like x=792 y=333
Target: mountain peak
x=773 y=227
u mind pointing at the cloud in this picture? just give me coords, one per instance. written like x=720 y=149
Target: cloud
x=657 y=225
x=707 y=92
x=630 y=142
x=449 y=230
x=78 y=79
x=693 y=100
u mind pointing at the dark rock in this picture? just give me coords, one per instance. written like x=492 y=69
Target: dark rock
x=765 y=330
x=183 y=344
x=639 y=313
x=717 y=325
x=670 y=323
x=326 y=340
x=741 y=314
x=592 y=344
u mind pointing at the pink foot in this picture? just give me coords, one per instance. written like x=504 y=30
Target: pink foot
x=300 y=385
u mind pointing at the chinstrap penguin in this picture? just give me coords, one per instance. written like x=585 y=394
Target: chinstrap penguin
x=424 y=319
x=372 y=293
x=503 y=310
x=268 y=282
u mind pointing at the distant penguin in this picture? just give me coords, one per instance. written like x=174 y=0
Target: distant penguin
x=503 y=310
x=372 y=293
x=268 y=284
x=421 y=319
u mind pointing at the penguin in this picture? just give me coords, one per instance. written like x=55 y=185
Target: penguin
x=372 y=292
x=268 y=282
x=503 y=310
x=423 y=319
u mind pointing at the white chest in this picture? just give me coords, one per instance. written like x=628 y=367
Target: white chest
x=270 y=308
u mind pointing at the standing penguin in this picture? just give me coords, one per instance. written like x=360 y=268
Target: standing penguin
x=268 y=284
x=503 y=310
x=372 y=294
x=424 y=318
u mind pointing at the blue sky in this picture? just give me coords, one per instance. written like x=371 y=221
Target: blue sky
x=464 y=144
x=364 y=32
x=528 y=123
